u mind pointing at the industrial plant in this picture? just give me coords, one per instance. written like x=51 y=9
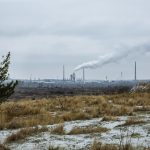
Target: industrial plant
x=75 y=86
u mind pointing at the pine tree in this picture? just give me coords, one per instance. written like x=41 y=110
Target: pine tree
x=6 y=88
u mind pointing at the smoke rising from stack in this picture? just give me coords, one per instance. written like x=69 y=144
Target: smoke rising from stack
x=114 y=57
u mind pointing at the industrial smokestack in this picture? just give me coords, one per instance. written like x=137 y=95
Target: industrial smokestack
x=106 y=78
x=31 y=78
x=63 y=73
x=135 y=77
x=121 y=75
x=83 y=75
x=74 y=77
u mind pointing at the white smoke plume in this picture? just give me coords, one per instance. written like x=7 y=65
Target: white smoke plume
x=114 y=57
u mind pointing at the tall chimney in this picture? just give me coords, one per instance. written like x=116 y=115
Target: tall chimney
x=31 y=78
x=106 y=78
x=121 y=75
x=63 y=73
x=135 y=72
x=83 y=75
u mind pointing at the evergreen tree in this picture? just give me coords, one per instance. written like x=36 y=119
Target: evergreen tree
x=6 y=88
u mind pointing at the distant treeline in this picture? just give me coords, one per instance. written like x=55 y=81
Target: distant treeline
x=41 y=92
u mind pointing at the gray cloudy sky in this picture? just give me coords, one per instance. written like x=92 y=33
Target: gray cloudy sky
x=42 y=35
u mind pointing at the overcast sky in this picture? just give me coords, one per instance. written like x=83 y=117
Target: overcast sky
x=42 y=35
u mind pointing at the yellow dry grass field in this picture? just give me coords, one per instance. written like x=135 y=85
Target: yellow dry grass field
x=28 y=113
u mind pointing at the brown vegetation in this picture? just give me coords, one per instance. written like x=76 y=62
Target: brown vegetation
x=87 y=130
x=58 y=130
x=53 y=148
x=133 y=121
x=29 y=113
x=3 y=147
x=109 y=118
x=99 y=146
x=131 y=99
x=24 y=133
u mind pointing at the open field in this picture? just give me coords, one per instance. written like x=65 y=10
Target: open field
x=74 y=75
x=74 y=122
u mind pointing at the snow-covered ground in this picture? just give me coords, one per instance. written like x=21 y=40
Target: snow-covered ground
x=42 y=141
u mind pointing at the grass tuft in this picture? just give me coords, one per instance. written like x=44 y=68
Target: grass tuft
x=133 y=121
x=53 y=148
x=109 y=118
x=87 y=130
x=99 y=146
x=58 y=130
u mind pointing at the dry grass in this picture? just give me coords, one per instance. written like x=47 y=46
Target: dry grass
x=87 y=130
x=133 y=121
x=58 y=130
x=3 y=147
x=70 y=116
x=28 y=113
x=109 y=118
x=78 y=130
x=142 y=108
x=24 y=133
x=28 y=121
x=130 y=99
x=99 y=146
x=53 y=148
